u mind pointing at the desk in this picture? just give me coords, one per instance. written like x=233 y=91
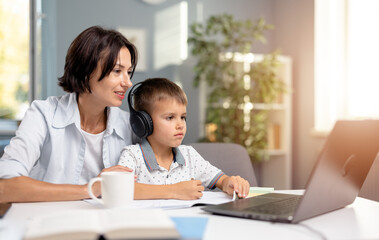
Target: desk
x=359 y=220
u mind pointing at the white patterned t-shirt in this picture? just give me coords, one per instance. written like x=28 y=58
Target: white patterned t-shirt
x=187 y=164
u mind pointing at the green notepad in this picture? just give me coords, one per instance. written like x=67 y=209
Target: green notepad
x=190 y=227
x=255 y=191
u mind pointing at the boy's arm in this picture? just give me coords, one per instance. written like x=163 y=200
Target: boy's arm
x=229 y=184
x=187 y=190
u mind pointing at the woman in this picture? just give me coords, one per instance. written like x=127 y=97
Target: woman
x=64 y=141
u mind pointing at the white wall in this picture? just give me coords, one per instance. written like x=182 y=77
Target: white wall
x=66 y=19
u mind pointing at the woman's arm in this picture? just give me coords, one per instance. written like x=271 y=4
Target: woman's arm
x=187 y=190
x=26 y=189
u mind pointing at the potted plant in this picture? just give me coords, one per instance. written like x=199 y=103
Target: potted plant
x=235 y=80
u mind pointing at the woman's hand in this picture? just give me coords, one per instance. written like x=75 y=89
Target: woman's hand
x=237 y=184
x=116 y=168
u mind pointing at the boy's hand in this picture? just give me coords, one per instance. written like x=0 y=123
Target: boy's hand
x=237 y=184
x=188 y=190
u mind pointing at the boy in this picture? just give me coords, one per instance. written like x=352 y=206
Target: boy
x=164 y=168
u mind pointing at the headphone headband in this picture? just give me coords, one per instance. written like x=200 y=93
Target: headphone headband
x=131 y=92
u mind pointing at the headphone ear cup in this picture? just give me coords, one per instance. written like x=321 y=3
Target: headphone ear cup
x=142 y=124
x=149 y=126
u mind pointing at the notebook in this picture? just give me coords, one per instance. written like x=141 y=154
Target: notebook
x=335 y=181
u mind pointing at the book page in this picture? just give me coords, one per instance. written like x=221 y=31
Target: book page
x=137 y=223
x=75 y=224
x=114 y=223
x=134 y=218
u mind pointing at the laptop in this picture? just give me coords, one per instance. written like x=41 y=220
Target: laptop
x=341 y=168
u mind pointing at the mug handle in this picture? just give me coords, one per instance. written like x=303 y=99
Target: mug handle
x=91 y=182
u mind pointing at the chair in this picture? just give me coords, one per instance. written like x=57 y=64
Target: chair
x=370 y=188
x=231 y=158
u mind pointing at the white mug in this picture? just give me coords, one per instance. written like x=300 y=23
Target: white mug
x=117 y=189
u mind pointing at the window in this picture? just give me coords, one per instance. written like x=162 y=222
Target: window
x=346 y=66
x=14 y=58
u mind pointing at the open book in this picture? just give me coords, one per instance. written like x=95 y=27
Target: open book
x=112 y=224
x=209 y=198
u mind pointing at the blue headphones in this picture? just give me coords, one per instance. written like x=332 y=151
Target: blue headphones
x=141 y=122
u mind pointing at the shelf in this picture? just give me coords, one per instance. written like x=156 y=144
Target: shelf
x=276 y=171
x=276 y=152
x=254 y=106
x=271 y=106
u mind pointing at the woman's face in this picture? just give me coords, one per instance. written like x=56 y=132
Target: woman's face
x=110 y=91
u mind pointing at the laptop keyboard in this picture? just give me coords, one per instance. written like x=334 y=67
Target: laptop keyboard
x=277 y=208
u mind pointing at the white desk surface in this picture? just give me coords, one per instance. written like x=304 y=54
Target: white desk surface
x=359 y=220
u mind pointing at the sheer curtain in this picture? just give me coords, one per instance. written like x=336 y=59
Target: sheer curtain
x=346 y=65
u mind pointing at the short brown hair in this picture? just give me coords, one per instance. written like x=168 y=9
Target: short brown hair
x=156 y=89
x=93 y=45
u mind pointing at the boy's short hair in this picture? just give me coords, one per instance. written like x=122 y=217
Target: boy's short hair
x=156 y=89
x=94 y=45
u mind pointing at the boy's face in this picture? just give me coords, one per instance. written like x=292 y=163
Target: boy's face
x=169 y=119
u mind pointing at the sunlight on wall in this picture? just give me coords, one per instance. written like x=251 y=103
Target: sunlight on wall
x=170 y=40
x=362 y=62
x=346 y=48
